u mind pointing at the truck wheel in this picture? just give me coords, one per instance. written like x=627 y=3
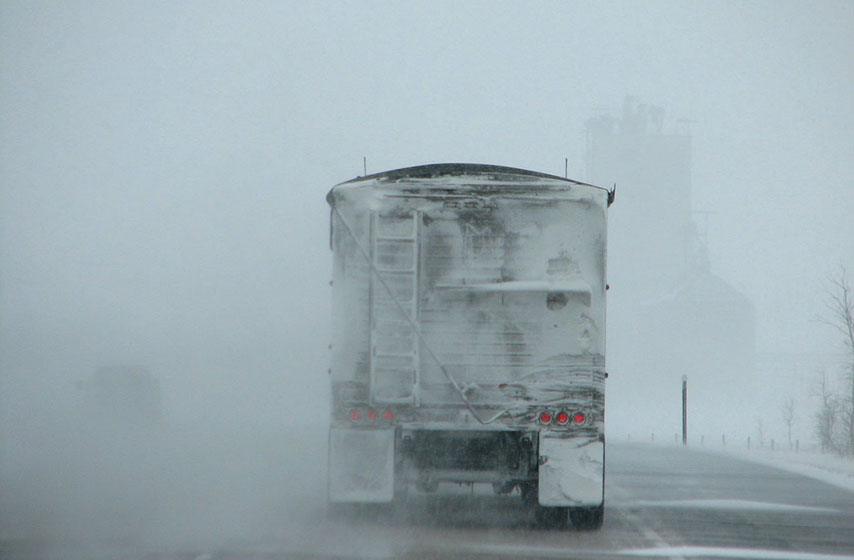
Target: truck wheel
x=551 y=517
x=529 y=493
x=587 y=519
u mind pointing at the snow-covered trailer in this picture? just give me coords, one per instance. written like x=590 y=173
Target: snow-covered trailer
x=469 y=336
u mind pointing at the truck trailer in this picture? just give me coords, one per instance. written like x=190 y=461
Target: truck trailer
x=468 y=340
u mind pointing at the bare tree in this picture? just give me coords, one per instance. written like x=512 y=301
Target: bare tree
x=826 y=417
x=789 y=417
x=841 y=317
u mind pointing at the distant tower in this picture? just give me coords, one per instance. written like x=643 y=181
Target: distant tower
x=669 y=314
x=652 y=171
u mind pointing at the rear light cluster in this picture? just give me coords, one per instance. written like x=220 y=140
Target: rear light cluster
x=369 y=415
x=562 y=418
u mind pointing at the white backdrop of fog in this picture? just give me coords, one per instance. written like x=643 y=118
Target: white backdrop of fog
x=164 y=168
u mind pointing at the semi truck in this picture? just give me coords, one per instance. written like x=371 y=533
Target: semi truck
x=468 y=341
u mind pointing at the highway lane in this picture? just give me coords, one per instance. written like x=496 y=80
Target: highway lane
x=661 y=502
x=699 y=499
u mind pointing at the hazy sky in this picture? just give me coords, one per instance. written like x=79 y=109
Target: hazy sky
x=164 y=165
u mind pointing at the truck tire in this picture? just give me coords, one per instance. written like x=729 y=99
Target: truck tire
x=551 y=517
x=529 y=493
x=587 y=519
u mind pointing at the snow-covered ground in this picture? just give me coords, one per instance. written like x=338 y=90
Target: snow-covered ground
x=831 y=469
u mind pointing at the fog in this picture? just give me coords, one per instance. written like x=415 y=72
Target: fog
x=163 y=171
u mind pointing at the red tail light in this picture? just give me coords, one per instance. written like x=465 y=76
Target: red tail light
x=545 y=417
x=562 y=417
x=579 y=418
x=388 y=415
x=372 y=415
x=355 y=414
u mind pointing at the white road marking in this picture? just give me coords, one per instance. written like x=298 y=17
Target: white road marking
x=715 y=552
x=740 y=505
x=649 y=534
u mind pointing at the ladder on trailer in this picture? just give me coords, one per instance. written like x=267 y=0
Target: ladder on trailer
x=395 y=357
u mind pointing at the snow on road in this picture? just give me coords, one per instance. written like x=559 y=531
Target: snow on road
x=830 y=469
x=732 y=505
x=723 y=552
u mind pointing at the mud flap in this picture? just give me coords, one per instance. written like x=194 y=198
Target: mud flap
x=571 y=471
x=361 y=465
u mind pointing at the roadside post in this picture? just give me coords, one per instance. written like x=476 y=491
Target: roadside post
x=684 y=410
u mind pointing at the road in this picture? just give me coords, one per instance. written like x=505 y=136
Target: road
x=661 y=502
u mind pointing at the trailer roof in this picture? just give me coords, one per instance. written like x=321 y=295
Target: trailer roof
x=443 y=169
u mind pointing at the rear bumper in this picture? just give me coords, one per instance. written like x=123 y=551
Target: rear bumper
x=365 y=465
